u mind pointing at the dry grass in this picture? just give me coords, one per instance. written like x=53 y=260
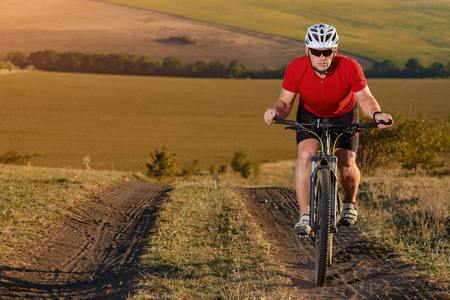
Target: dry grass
x=32 y=198
x=272 y=174
x=411 y=212
x=203 y=227
x=203 y=247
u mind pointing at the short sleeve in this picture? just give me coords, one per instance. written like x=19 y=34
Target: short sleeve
x=359 y=81
x=290 y=83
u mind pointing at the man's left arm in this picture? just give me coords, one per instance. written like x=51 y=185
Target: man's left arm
x=370 y=107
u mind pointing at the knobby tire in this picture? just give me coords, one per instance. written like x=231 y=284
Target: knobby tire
x=323 y=234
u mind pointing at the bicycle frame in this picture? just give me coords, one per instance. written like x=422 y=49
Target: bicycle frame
x=328 y=205
x=326 y=156
x=328 y=160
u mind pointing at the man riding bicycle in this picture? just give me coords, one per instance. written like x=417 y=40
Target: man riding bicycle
x=330 y=86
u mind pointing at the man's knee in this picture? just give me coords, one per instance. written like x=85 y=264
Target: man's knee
x=349 y=169
x=304 y=158
x=306 y=149
x=347 y=164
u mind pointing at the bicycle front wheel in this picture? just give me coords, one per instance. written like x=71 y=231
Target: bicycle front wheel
x=323 y=220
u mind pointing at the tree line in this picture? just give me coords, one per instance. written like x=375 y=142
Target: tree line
x=128 y=64
x=412 y=69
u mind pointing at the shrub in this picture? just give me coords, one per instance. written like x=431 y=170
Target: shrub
x=191 y=169
x=86 y=162
x=420 y=141
x=9 y=65
x=17 y=58
x=184 y=39
x=243 y=164
x=164 y=163
x=16 y=158
x=222 y=169
x=413 y=142
x=376 y=147
x=212 y=170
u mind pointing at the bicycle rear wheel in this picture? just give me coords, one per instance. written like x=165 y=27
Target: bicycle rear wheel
x=322 y=233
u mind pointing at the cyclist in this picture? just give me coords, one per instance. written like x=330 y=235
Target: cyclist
x=330 y=86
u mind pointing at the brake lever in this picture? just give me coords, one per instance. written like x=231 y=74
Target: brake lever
x=353 y=130
x=299 y=128
x=385 y=123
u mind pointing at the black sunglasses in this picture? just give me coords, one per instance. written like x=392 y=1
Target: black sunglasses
x=318 y=53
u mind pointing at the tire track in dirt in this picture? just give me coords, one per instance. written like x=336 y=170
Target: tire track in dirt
x=93 y=253
x=361 y=268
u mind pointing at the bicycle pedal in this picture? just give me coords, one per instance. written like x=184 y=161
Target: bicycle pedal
x=304 y=236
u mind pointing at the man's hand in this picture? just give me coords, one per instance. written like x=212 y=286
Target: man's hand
x=270 y=115
x=282 y=108
x=383 y=117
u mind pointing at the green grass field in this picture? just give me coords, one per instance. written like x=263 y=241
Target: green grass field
x=119 y=120
x=377 y=29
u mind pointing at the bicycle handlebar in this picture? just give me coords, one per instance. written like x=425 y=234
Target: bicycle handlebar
x=326 y=125
x=284 y=122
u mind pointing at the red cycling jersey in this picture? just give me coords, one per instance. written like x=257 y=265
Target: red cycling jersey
x=330 y=97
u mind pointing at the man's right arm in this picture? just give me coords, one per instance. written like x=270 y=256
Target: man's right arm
x=282 y=108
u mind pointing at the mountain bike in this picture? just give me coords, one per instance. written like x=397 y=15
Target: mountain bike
x=325 y=206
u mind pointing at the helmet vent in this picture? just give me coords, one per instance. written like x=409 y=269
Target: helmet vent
x=321 y=36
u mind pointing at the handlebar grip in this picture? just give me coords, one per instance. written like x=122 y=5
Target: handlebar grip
x=368 y=125
x=283 y=122
x=374 y=125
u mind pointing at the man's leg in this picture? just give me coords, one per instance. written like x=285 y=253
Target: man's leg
x=306 y=149
x=349 y=174
x=349 y=177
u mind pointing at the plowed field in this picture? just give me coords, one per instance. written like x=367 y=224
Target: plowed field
x=96 y=27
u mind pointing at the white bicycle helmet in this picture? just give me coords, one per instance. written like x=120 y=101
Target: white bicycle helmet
x=321 y=36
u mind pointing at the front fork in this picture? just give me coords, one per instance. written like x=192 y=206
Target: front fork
x=335 y=205
x=312 y=193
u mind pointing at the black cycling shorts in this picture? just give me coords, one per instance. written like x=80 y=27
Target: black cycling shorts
x=346 y=141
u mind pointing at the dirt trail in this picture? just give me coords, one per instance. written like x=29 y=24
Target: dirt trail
x=361 y=269
x=92 y=254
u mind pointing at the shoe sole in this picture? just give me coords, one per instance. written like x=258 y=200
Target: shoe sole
x=303 y=231
x=347 y=222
